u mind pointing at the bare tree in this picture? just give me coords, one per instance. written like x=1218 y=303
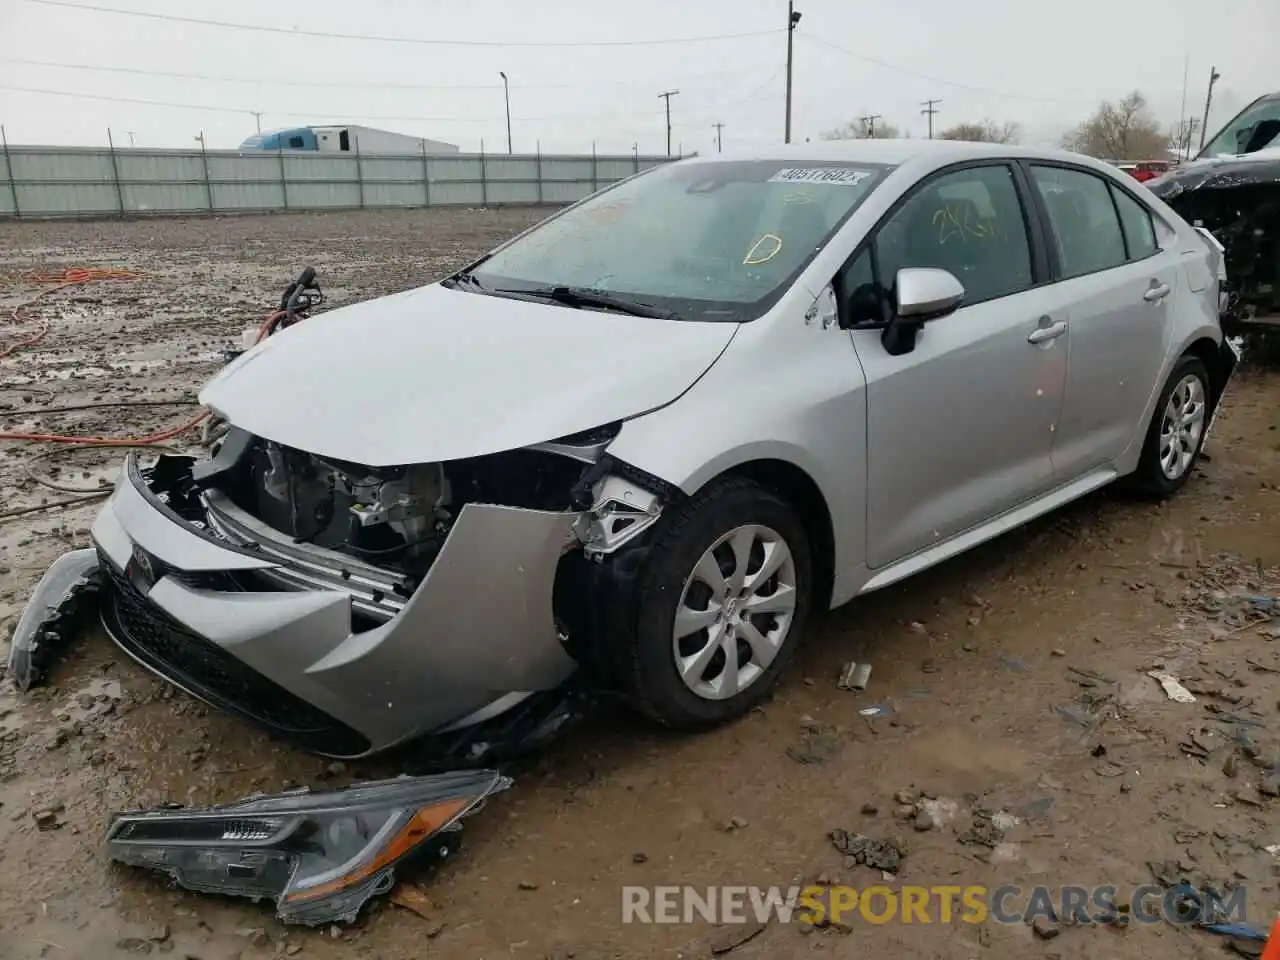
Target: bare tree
x=985 y=131
x=859 y=129
x=1120 y=131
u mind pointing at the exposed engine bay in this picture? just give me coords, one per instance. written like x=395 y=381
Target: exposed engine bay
x=1238 y=201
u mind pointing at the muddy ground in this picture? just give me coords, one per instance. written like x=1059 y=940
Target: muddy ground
x=1013 y=679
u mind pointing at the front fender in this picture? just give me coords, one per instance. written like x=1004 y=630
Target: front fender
x=795 y=395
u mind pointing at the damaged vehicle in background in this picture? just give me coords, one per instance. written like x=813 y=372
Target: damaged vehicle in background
x=638 y=446
x=1232 y=189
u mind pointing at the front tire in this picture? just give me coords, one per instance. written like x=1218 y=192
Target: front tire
x=721 y=603
x=1176 y=433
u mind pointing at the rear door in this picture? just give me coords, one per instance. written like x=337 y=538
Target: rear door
x=1113 y=287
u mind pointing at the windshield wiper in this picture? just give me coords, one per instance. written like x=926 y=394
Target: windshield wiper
x=586 y=297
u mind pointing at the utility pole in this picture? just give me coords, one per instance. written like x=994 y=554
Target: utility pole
x=719 y=127
x=793 y=18
x=129 y=134
x=1182 y=111
x=257 y=116
x=1214 y=77
x=506 y=92
x=930 y=108
x=870 y=120
x=667 y=95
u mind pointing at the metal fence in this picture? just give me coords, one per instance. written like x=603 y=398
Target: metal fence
x=97 y=182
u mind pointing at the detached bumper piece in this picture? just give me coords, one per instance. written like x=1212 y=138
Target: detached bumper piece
x=318 y=856
x=64 y=598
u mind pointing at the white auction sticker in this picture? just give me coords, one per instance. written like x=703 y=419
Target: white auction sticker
x=838 y=175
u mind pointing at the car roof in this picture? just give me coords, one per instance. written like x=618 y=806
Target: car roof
x=923 y=153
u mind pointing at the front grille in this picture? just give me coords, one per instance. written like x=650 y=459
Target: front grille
x=202 y=667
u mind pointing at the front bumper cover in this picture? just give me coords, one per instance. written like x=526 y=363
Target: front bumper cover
x=475 y=638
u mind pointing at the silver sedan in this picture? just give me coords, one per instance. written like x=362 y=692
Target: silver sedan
x=637 y=446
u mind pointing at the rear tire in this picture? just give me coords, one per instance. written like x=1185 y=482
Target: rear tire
x=721 y=604
x=1175 y=435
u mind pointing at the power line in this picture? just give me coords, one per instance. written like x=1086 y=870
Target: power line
x=284 y=113
x=341 y=84
x=914 y=73
x=374 y=38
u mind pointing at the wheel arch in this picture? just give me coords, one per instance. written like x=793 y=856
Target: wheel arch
x=801 y=491
x=1208 y=352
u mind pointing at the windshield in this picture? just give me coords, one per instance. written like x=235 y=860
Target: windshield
x=1256 y=127
x=705 y=241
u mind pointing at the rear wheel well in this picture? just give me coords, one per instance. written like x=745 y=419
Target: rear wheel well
x=798 y=489
x=1208 y=353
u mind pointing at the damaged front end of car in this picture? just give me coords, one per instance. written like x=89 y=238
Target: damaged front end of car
x=1237 y=200
x=351 y=609
x=319 y=857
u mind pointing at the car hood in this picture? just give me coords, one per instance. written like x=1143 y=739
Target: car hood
x=1215 y=173
x=441 y=374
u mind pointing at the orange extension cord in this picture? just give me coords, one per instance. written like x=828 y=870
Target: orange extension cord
x=71 y=277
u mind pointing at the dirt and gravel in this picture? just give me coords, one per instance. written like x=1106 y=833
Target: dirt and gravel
x=1018 y=740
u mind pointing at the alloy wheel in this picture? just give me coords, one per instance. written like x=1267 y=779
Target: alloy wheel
x=735 y=612
x=1182 y=426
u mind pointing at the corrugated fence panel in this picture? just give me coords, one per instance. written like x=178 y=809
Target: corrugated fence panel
x=559 y=192
x=506 y=192
x=66 y=199
x=318 y=196
x=511 y=168
x=74 y=166
x=90 y=181
x=159 y=167
x=164 y=197
x=244 y=167
x=382 y=168
x=460 y=168
x=608 y=168
x=556 y=168
x=319 y=168
x=392 y=194
x=247 y=196
x=460 y=192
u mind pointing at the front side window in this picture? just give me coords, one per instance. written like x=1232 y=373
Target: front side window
x=1257 y=126
x=295 y=143
x=705 y=240
x=1082 y=220
x=1139 y=231
x=970 y=223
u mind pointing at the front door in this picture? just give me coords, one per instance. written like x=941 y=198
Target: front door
x=960 y=429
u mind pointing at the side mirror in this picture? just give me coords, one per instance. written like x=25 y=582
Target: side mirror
x=921 y=294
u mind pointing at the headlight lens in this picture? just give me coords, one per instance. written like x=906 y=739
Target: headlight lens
x=320 y=856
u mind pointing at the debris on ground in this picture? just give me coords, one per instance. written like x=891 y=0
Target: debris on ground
x=412 y=897
x=195 y=847
x=728 y=938
x=884 y=855
x=818 y=743
x=1172 y=687
x=854 y=676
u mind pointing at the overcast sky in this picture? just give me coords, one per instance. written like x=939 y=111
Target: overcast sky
x=1044 y=65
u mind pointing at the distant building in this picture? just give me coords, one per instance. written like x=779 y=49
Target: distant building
x=346 y=139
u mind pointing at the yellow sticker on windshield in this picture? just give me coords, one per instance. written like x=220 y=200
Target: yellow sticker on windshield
x=772 y=244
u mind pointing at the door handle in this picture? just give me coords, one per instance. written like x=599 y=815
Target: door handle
x=1156 y=292
x=1048 y=332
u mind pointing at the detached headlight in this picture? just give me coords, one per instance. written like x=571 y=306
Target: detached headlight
x=319 y=856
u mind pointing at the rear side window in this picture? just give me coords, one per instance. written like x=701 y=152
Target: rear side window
x=1082 y=219
x=1139 y=232
x=295 y=143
